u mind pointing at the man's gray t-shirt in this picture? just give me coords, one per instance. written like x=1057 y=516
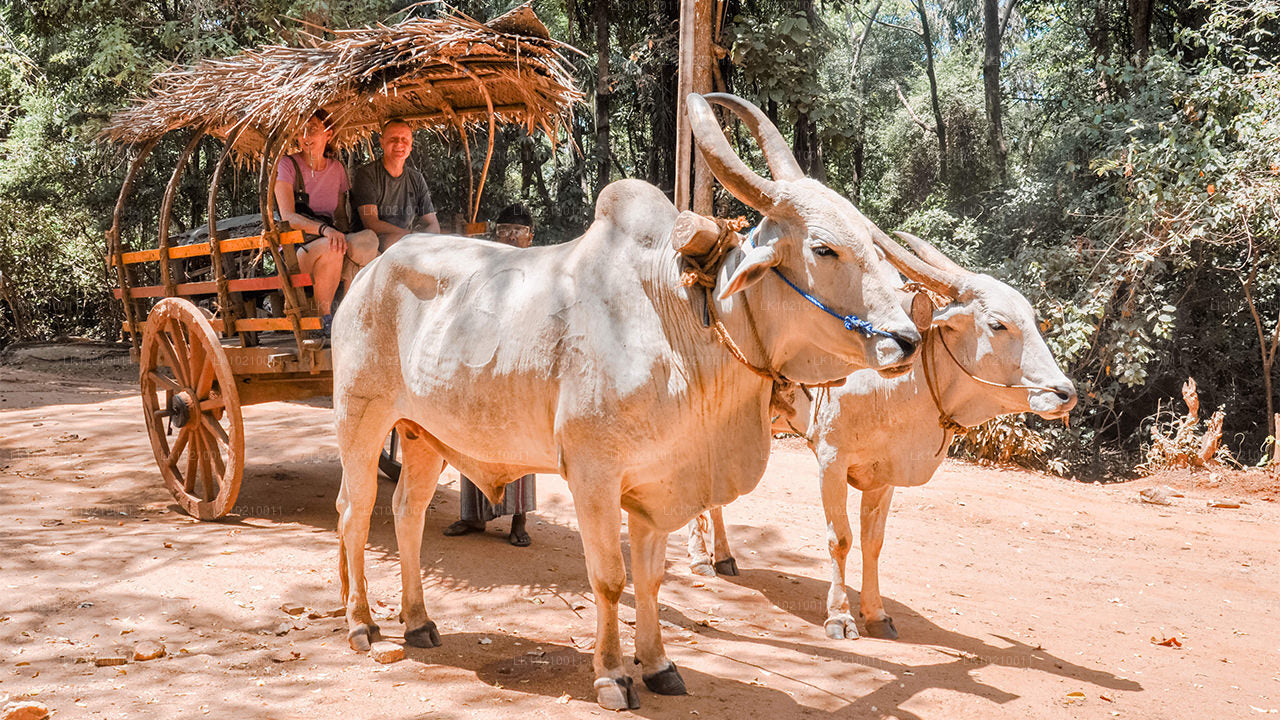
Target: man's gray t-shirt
x=400 y=200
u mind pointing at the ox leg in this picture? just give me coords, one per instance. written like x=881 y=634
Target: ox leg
x=648 y=563
x=725 y=564
x=355 y=507
x=421 y=471
x=875 y=511
x=699 y=557
x=835 y=493
x=600 y=521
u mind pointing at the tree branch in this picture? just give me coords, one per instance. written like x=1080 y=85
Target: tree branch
x=1005 y=14
x=866 y=33
x=912 y=113
x=913 y=31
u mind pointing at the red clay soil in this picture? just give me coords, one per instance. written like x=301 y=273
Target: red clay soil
x=1017 y=595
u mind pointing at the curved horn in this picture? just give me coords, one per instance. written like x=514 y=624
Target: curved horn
x=931 y=254
x=728 y=168
x=782 y=162
x=936 y=279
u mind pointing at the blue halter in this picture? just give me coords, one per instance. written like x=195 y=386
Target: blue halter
x=851 y=322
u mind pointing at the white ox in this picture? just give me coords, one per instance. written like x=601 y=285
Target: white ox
x=590 y=359
x=983 y=357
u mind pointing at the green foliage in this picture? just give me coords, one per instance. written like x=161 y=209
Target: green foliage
x=1137 y=203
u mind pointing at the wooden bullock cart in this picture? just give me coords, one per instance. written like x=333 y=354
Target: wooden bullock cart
x=194 y=304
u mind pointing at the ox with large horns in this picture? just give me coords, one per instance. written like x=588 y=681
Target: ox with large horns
x=591 y=359
x=982 y=357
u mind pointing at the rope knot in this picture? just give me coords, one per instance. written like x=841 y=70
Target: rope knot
x=853 y=322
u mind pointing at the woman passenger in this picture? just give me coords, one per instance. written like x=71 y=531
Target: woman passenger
x=311 y=193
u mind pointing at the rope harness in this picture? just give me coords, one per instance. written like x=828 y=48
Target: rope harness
x=945 y=420
x=701 y=271
x=851 y=322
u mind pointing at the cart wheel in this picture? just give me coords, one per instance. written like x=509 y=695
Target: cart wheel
x=389 y=460
x=187 y=381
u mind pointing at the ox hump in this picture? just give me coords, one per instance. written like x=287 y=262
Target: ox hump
x=636 y=211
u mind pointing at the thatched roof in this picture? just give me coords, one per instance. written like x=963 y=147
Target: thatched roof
x=435 y=73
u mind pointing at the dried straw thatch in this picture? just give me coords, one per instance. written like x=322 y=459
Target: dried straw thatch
x=435 y=73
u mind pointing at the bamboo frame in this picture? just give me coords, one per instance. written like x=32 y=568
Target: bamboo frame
x=225 y=301
x=116 y=247
x=166 y=209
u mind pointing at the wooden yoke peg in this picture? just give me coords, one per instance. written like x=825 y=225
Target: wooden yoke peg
x=694 y=235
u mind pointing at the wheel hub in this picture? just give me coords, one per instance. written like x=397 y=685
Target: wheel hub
x=179 y=409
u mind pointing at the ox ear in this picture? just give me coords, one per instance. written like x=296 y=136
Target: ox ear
x=757 y=262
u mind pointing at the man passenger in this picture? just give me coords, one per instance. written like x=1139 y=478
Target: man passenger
x=391 y=198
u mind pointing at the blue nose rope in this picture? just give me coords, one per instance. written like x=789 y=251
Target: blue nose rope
x=851 y=322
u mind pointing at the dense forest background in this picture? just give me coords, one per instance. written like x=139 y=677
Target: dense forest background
x=1116 y=160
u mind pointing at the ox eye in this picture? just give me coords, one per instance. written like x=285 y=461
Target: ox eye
x=998 y=326
x=823 y=251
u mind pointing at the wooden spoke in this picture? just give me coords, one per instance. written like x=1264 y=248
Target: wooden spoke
x=182 y=352
x=166 y=382
x=179 y=444
x=204 y=379
x=215 y=429
x=179 y=336
x=207 y=478
x=171 y=354
x=215 y=454
x=213 y=404
x=193 y=454
x=195 y=365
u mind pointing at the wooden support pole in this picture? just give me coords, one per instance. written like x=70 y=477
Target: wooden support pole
x=293 y=304
x=695 y=77
x=166 y=211
x=115 y=246
x=684 y=86
x=702 y=59
x=229 y=310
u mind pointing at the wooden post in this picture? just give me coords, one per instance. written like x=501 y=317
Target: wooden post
x=684 y=86
x=695 y=76
x=115 y=246
x=166 y=213
x=702 y=59
x=229 y=311
x=294 y=304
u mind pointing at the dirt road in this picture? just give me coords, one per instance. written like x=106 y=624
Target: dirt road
x=1017 y=595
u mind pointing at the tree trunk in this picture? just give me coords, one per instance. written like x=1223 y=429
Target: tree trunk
x=1099 y=42
x=808 y=148
x=860 y=121
x=1140 y=26
x=939 y=127
x=991 y=81
x=1266 y=348
x=602 y=94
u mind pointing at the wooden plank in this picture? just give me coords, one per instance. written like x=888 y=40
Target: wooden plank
x=269 y=324
x=293 y=237
x=275 y=360
x=257 y=325
x=210 y=287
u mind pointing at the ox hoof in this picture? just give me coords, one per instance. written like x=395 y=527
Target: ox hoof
x=703 y=568
x=882 y=629
x=840 y=627
x=616 y=693
x=423 y=637
x=727 y=566
x=362 y=636
x=666 y=681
